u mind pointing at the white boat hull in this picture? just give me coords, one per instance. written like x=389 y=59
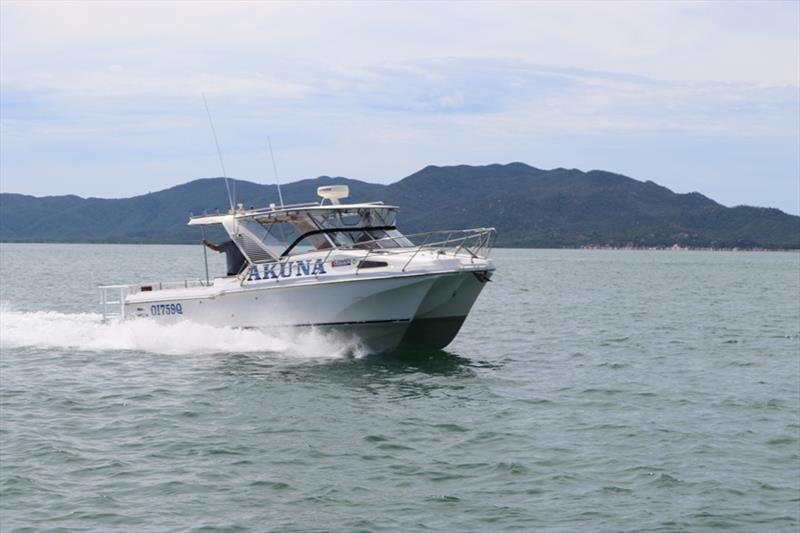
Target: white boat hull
x=415 y=311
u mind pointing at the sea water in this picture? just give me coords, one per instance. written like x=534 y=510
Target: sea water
x=587 y=391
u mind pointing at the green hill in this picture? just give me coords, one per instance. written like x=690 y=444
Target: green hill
x=529 y=207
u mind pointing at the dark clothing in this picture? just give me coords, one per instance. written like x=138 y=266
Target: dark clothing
x=233 y=256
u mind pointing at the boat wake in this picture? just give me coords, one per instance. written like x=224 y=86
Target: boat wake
x=88 y=332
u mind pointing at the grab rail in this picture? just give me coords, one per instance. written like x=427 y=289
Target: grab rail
x=112 y=297
x=112 y=308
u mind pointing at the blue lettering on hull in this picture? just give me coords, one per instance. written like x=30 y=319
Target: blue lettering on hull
x=287 y=269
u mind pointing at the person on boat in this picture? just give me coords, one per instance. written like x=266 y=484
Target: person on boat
x=233 y=256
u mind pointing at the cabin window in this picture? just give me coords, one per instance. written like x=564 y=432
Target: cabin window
x=276 y=236
x=390 y=239
x=370 y=239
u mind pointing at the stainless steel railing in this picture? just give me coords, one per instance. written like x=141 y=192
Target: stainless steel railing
x=474 y=243
x=112 y=297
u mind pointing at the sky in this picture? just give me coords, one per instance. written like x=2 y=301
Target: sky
x=105 y=99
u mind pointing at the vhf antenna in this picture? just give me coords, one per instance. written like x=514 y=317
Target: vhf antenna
x=232 y=196
x=275 y=169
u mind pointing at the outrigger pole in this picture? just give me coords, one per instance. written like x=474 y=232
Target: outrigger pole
x=275 y=169
x=231 y=197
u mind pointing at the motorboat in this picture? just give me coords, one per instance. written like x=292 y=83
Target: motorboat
x=327 y=265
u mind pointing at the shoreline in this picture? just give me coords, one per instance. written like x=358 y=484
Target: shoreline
x=603 y=247
x=678 y=248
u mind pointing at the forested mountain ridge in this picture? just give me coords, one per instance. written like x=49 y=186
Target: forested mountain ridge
x=529 y=207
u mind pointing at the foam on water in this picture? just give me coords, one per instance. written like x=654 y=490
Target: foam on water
x=88 y=332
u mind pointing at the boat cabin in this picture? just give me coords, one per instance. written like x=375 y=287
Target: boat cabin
x=272 y=233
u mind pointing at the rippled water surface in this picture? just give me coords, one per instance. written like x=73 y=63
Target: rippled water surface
x=588 y=390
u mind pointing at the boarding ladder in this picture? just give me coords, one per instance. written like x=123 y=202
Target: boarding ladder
x=112 y=301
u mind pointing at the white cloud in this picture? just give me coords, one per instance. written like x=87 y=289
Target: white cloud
x=375 y=90
x=752 y=43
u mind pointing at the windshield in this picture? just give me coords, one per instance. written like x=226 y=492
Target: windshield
x=272 y=237
x=378 y=228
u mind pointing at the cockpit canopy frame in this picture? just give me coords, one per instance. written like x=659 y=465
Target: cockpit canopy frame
x=269 y=234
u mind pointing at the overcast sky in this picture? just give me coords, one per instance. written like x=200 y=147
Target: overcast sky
x=104 y=99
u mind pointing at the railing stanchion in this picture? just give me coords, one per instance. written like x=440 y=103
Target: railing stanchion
x=358 y=265
x=411 y=259
x=123 y=293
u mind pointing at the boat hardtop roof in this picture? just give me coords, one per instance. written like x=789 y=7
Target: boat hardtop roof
x=286 y=212
x=269 y=233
